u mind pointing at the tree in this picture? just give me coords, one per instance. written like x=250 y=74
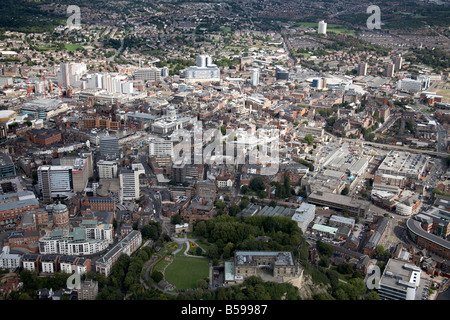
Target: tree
x=151 y=231
x=220 y=205
x=340 y=294
x=234 y=209
x=213 y=252
x=309 y=139
x=381 y=253
x=324 y=262
x=244 y=203
x=262 y=194
x=175 y=219
x=345 y=191
x=257 y=184
x=157 y=276
x=372 y=295
x=334 y=278
x=198 y=251
x=227 y=251
x=345 y=268
x=202 y=283
x=307 y=163
x=245 y=189
x=325 y=249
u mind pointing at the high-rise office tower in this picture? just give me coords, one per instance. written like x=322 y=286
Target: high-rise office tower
x=55 y=181
x=164 y=72
x=281 y=73
x=362 y=69
x=389 y=70
x=109 y=148
x=69 y=74
x=129 y=182
x=255 y=77
x=322 y=27
x=398 y=60
x=7 y=168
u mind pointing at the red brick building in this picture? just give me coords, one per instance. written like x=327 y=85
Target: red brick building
x=24 y=239
x=44 y=137
x=100 y=203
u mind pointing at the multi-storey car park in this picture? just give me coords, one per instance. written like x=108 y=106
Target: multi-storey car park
x=430 y=230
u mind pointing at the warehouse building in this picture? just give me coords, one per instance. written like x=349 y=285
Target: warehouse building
x=304 y=215
x=354 y=207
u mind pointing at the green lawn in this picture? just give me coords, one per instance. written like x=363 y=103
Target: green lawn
x=331 y=27
x=340 y=30
x=165 y=252
x=46 y=48
x=72 y=47
x=161 y=265
x=205 y=245
x=184 y=272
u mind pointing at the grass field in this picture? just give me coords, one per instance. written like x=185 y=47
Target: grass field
x=160 y=266
x=205 y=245
x=331 y=27
x=444 y=92
x=46 y=48
x=72 y=47
x=184 y=272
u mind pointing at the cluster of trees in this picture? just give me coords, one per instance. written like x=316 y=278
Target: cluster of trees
x=227 y=234
x=437 y=58
x=256 y=186
x=330 y=124
x=381 y=253
x=32 y=282
x=309 y=139
x=368 y=134
x=282 y=190
x=124 y=277
x=152 y=231
x=174 y=65
x=325 y=113
x=354 y=288
x=26 y=16
x=254 y=288
x=307 y=163
x=233 y=208
x=227 y=62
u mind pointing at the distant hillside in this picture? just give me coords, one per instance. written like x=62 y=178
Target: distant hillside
x=26 y=16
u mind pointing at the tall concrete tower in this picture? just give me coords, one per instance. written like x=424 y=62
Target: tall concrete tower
x=255 y=77
x=322 y=27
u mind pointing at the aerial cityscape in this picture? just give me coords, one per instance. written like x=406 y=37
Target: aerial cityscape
x=218 y=150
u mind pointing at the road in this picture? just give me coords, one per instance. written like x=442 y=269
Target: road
x=155 y=197
x=118 y=51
